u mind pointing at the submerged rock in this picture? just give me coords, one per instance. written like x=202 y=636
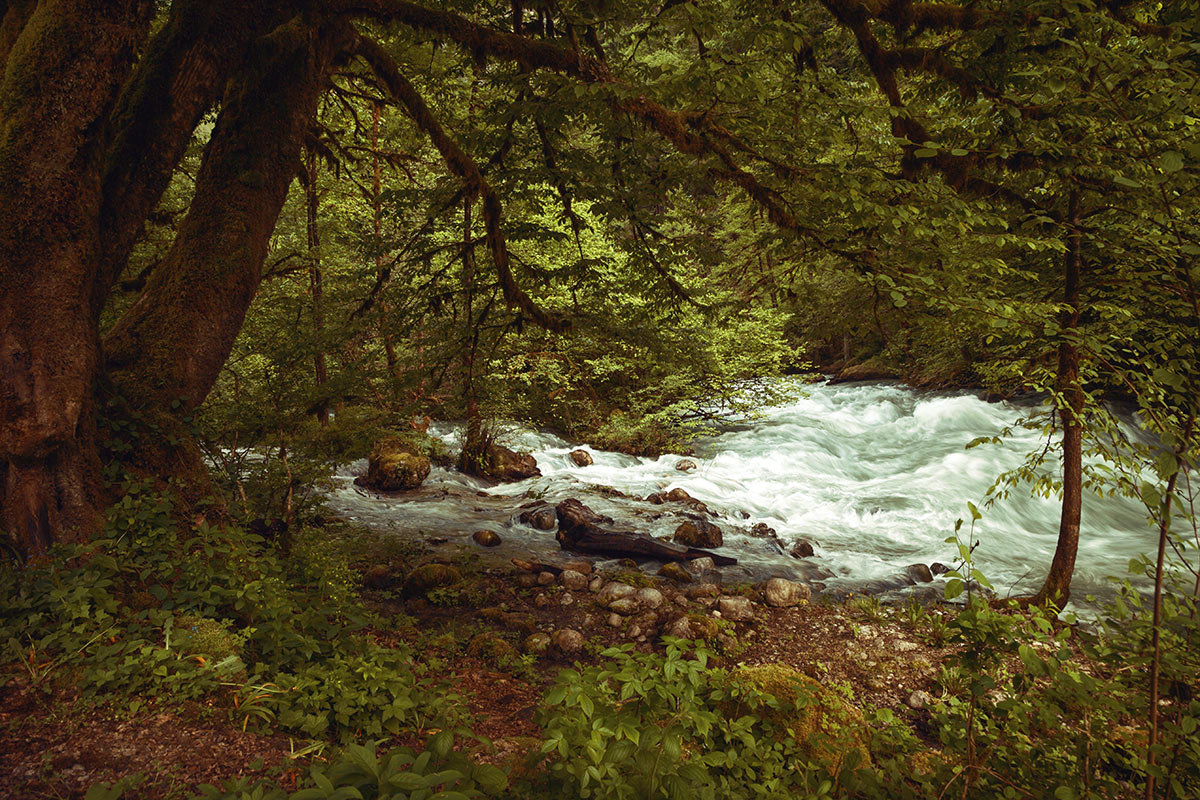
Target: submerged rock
x=802 y=549
x=918 y=573
x=699 y=533
x=486 y=538
x=685 y=465
x=541 y=517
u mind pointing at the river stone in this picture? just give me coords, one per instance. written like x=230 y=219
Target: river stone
x=572 y=580
x=703 y=590
x=918 y=573
x=685 y=465
x=703 y=564
x=486 y=538
x=566 y=641
x=545 y=578
x=596 y=585
x=625 y=606
x=527 y=580
x=614 y=620
x=582 y=458
x=614 y=590
x=699 y=533
x=782 y=593
x=737 y=608
x=536 y=643
x=582 y=567
x=649 y=597
x=544 y=518
x=675 y=571
x=395 y=465
x=938 y=568
x=761 y=530
x=802 y=549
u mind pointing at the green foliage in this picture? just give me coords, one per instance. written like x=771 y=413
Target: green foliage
x=658 y=726
x=153 y=609
x=436 y=773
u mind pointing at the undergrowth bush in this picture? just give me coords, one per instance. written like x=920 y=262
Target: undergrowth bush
x=152 y=608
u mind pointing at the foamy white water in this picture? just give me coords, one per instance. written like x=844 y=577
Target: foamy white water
x=874 y=474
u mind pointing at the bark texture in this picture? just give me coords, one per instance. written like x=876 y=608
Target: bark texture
x=63 y=71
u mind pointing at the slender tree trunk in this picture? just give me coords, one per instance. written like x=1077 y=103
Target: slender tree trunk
x=52 y=143
x=474 y=450
x=1056 y=590
x=389 y=347
x=312 y=201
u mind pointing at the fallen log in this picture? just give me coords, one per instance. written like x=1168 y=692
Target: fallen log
x=578 y=531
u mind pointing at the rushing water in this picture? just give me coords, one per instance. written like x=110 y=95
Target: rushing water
x=875 y=475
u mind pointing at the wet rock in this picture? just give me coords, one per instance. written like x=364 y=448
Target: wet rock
x=699 y=533
x=782 y=593
x=737 y=609
x=678 y=495
x=572 y=580
x=486 y=538
x=685 y=465
x=543 y=518
x=675 y=571
x=873 y=369
x=582 y=458
x=395 y=464
x=536 y=644
x=698 y=565
x=573 y=514
x=428 y=577
x=614 y=590
x=938 y=568
x=802 y=549
x=502 y=464
x=545 y=578
x=761 y=530
x=566 y=642
x=918 y=573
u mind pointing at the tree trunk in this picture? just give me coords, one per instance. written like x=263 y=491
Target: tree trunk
x=389 y=347
x=172 y=342
x=1056 y=590
x=314 y=280
x=473 y=458
x=166 y=352
x=51 y=148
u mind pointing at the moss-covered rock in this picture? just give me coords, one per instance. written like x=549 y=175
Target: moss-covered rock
x=827 y=725
x=427 y=577
x=489 y=647
x=396 y=464
x=699 y=533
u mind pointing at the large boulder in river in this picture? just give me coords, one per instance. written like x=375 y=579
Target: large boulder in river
x=582 y=458
x=502 y=464
x=699 y=533
x=873 y=369
x=395 y=464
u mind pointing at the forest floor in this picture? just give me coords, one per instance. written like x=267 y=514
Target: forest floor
x=482 y=635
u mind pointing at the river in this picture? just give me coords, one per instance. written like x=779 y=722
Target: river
x=874 y=475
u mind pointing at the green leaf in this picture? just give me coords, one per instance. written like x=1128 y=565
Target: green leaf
x=1171 y=161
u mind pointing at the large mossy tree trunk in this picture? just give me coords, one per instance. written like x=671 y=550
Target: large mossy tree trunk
x=64 y=65
x=93 y=121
